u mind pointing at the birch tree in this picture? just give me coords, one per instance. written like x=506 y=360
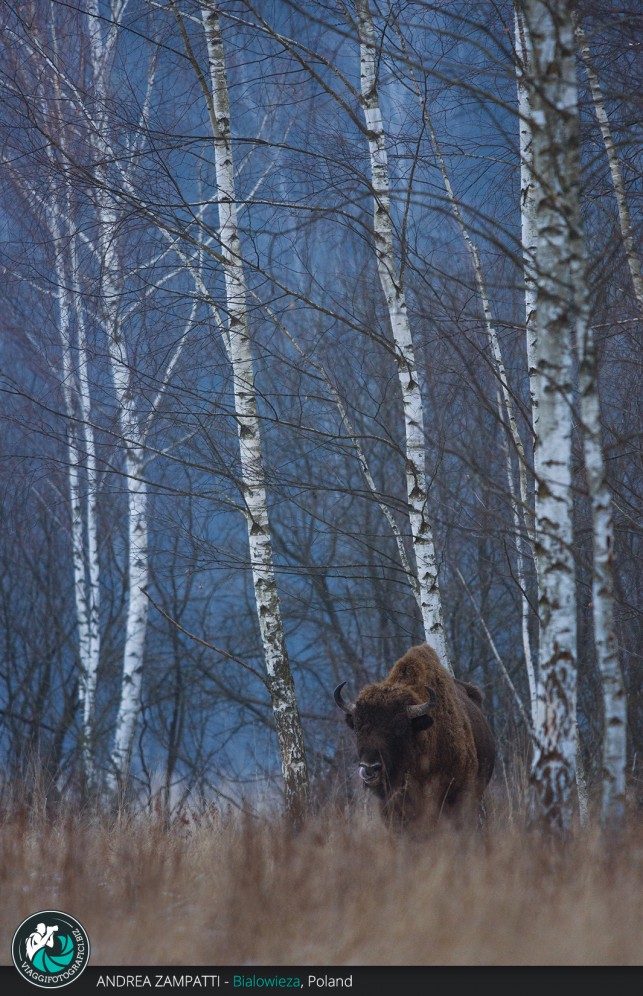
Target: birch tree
x=605 y=640
x=428 y=601
x=408 y=374
x=93 y=122
x=57 y=210
x=529 y=239
x=238 y=340
x=554 y=134
x=83 y=482
x=602 y=522
x=88 y=127
x=102 y=40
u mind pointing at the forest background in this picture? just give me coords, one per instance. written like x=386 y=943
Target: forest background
x=321 y=337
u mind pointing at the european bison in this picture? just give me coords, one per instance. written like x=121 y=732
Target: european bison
x=424 y=745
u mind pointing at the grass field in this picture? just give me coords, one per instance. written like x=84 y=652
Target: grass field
x=223 y=890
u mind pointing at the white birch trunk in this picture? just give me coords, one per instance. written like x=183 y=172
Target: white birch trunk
x=87 y=677
x=554 y=137
x=137 y=529
x=614 y=698
x=605 y=641
x=529 y=239
x=391 y=282
x=93 y=563
x=131 y=429
x=524 y=63
x=280 y=681
x=81 y=475
x=521 y=514
x=137 y=611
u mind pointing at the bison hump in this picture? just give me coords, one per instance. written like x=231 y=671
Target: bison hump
x=472 y=691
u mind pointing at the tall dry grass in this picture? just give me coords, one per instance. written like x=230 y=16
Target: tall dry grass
x=220 y=890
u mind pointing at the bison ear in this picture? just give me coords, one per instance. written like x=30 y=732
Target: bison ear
x=349 y=720
x=421 y=723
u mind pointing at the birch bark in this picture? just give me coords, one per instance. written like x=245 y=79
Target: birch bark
x=614 y=698
x=81 y=474
x=524 y=60
x=553 y=121
x=605 y=641
x=82 y=471
x=280 y=681
x=392 y=287
x=524 y=66
x=100 y=47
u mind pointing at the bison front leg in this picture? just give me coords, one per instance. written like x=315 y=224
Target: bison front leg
x=461 y=809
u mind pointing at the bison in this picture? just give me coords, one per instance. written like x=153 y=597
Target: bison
x=424 y=745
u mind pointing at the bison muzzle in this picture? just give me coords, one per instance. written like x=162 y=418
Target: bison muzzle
x=424 y=745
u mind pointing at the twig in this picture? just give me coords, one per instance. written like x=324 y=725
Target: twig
x=204 y=643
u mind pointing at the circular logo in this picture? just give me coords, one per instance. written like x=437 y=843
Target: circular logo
x=50 y=949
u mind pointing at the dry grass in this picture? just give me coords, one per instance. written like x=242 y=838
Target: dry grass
x=221 y=891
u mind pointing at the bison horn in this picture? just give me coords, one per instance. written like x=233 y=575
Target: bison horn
x=348 y=707
x=423 y=709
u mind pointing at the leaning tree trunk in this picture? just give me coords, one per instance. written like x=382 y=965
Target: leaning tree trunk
x=392 y=286
x=279 y=675
x=553 y=123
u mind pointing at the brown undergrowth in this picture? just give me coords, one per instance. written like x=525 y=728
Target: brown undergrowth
x=224 y=890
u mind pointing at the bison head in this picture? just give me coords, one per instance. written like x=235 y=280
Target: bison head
x=386 y=721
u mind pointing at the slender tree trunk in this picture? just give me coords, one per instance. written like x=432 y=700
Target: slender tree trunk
x=529 y=234
x=524 y=61
x=614 y=698
x=391 y=282
x=90 y=673
x=81 y=474
x=137 y=611
x=605 y=641
x=553 y=121
x=130 y=424
x=280 y=680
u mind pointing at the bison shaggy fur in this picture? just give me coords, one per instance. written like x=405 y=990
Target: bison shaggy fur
x=425 y=748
